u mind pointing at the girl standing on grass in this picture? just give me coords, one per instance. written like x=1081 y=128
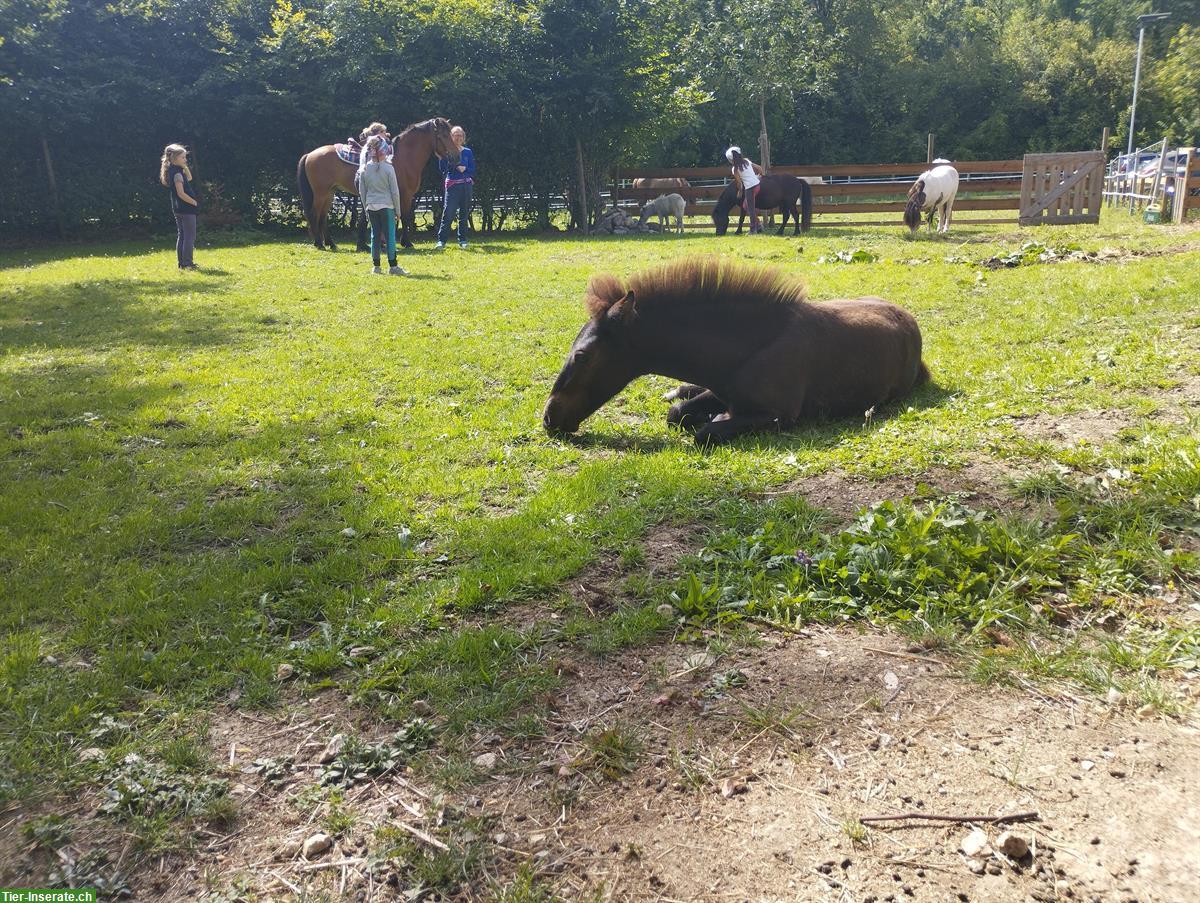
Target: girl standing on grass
x=459 y=182
x=747 y=174
x=380 y=194
x=177 y=178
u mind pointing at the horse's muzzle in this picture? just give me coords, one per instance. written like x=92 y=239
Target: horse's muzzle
x=553 y=421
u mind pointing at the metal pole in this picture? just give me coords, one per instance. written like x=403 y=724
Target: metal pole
x=1137 y=74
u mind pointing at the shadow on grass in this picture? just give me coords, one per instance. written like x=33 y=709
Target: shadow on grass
x=151 y=312
x=816 y=434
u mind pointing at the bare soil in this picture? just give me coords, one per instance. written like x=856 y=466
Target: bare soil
x=755 y=794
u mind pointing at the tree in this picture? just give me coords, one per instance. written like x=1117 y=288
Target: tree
x=766 y=52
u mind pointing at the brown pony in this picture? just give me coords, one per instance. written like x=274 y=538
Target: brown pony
x=320 y=172
x=758 y=353
x=675 y=182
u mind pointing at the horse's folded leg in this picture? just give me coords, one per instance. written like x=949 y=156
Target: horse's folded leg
x=695 y=412
x=720 y=431
x=685 y=391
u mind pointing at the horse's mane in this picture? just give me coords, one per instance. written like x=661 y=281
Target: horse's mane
x=695 y=281
x=423 y=126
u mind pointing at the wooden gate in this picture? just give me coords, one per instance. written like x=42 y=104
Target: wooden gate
x=1057 y=189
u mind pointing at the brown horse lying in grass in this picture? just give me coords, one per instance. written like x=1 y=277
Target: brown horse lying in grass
x=758 y=353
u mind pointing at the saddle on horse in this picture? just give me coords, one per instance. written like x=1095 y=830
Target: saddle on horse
x=350 y=152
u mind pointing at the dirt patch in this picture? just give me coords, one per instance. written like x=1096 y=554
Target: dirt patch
x=743 y=776
x=1182 y=401
x=983 y=483
x=754 y=792
x=1090 y=427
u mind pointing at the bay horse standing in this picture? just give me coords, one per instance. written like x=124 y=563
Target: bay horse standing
x=774 y=192
x=755 y=352
x=934 y=190
x=320 y=172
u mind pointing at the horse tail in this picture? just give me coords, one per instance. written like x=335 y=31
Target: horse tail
x=805 y=205
x=306 y=191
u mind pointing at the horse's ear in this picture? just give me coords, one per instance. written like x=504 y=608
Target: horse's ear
x=624 y=310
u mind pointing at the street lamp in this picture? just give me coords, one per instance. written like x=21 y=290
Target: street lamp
x=1142 y=21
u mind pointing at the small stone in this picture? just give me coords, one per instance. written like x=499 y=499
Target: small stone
x=537 y=839
x=564 y=771
x=316 y=845
x=422 y=708
x=976 y=866
x=1146 y=711
x=91 y=754
x=332 y=749
x=486 y=761
x=284 y=671
x=1087 y=764
x=1013 y=845
x=500 y=838
x=993 y=867
x=1095 y=841
x=666 y=611
x=1114 y=696
x=349 y=532
x=974 y=843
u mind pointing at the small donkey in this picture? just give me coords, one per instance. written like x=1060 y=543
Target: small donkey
x=665 y=206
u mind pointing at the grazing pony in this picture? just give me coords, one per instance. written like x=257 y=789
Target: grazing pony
x=320 y=172
x=934 y=191
x=774 y=192
x=757 y=353
x=667 y=205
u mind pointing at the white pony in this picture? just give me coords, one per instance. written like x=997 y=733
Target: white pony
x=665 y=206
x=934 y=191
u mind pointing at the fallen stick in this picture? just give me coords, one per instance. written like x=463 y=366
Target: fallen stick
x=421 y=835
x=994 y=819
x=332 y=864
x=908 y=655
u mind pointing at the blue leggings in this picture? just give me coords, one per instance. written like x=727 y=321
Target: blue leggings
x=383 y=222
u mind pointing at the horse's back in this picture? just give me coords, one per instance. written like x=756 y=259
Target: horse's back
x=941 y=181
x=858 y=352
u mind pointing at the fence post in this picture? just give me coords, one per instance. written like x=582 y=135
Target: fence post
x=1183 y=186
x=929 y=149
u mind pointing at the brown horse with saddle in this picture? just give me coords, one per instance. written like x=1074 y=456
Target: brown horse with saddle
x=321 y=172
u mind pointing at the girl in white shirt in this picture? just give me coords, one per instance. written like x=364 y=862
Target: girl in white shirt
x=747 y=174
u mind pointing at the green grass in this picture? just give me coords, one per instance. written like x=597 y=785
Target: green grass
x=283 y=458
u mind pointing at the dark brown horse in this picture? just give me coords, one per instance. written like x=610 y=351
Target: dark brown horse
x=774 y=192
x=321 y=172
x=759 y=355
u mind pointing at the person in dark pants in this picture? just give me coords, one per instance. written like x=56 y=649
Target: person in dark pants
x=460 y=182
x=176 y=176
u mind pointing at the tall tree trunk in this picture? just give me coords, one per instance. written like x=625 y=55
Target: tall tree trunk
x=58 y=219
x=764 y=143
x=583 y=210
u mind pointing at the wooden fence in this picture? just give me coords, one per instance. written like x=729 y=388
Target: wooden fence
x=1184 y=185
x=843 y=189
